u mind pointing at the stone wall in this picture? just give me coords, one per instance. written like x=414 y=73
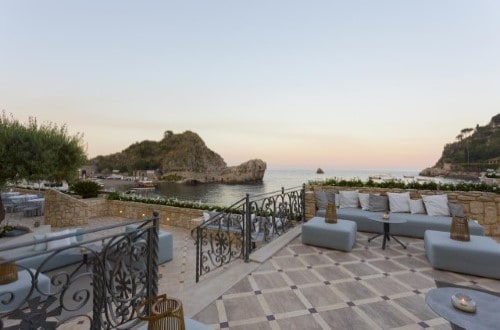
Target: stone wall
x=481 y=206
x=62 y=210
x=169 y=215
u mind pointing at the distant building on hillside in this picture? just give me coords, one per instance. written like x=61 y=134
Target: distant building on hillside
x=145 y=175
x=87 y=171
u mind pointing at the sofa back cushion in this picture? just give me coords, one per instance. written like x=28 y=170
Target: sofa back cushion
x=456 y=210
x=321 y=199
x=60 y=243
x=378 y=203
x=437 y=205
x=399 y=202
x=417 y=206
x=349 y=199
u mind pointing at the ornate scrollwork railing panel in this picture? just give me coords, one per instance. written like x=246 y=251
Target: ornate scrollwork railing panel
x=235 y=232
x=109 y=273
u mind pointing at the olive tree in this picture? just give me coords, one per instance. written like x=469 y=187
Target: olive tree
x=37 y=152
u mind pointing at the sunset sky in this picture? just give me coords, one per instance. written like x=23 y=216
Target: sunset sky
x=336 y=84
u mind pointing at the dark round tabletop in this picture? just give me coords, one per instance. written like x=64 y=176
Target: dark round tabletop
x=487 y=314
x=380 y=219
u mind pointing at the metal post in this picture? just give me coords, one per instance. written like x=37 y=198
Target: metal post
x=247 y=230
x=198 y=259
x=303 y=201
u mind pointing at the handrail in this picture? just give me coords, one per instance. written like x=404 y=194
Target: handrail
x=235 y=231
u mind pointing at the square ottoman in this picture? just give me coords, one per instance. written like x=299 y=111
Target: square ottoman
x=338 y=236
x=21 y=288
x=480 y=256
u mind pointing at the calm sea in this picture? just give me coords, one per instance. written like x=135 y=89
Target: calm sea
x=223 y=194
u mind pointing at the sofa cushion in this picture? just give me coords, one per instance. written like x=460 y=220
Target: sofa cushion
x=59 y=243
x=39 y=246
x=378 y=203
x=436 y=205
x=479 y=256
x=456 y=210
x=415 y=225
x=349 y=199
x=417 y=206
x=364 y=201
x=362 y=219
x=321 y=199
x=399 y=202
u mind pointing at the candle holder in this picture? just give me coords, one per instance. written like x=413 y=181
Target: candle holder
x=463 y=302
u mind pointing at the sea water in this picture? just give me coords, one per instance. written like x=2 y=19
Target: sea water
x=274 y=180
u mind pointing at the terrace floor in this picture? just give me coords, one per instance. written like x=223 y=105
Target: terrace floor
x=305 y=287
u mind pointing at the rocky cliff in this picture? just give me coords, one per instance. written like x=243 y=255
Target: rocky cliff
x=183 y=158
x=474 y=150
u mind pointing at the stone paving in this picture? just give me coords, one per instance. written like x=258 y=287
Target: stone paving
x=305 y=287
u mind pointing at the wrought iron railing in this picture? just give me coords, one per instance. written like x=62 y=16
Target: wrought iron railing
x=240 y=228
x=115 y=270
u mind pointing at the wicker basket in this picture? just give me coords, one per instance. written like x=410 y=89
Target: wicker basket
x=8 y=272
x=460 y=229
x=331 y=213
x=164 y=313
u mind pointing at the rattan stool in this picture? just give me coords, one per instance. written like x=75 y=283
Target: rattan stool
x=164 y=313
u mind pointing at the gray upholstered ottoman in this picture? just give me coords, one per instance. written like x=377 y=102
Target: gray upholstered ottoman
x=339 y=236
x=480 y=256
x=20 y=290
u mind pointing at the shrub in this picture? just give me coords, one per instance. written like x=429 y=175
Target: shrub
x=461 y=186
x=86 y=189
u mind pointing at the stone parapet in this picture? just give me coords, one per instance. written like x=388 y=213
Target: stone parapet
x=62 y=210
x=481 y=206
x=169 y=215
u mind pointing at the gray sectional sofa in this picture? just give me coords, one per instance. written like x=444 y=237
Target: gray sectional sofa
x=415 y=226
x=45 y=261
x=430 y=212
x=74 y=255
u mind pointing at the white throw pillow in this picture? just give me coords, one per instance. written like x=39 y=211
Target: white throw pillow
x=73 y=238
x=417 y=206
x=349 y=198
x=436 y=205
x=38 y=245
x=206 y=216
x=364 y=201
x=59 y=243
x=399 y=202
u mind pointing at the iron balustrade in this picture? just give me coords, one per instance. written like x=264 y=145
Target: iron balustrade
x=237 y=230
x=116 y=272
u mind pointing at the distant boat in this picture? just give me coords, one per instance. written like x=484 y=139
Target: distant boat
x=319 y=171
x=146 y=184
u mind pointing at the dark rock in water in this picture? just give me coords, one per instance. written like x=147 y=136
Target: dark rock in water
x=319 y=171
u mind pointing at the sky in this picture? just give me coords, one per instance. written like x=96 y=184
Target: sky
x=299 y=84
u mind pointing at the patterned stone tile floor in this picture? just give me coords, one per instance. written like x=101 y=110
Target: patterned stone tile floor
x=305 y=287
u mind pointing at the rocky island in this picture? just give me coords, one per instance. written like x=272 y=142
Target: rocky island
x=474 y=151
x=181 y=158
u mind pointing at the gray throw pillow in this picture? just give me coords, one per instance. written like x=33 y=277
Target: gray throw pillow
x=321 y=199
x=456 y=210
x=330 y=196
x=378 y=203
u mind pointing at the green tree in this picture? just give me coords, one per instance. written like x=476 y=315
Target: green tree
x=38 y=152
